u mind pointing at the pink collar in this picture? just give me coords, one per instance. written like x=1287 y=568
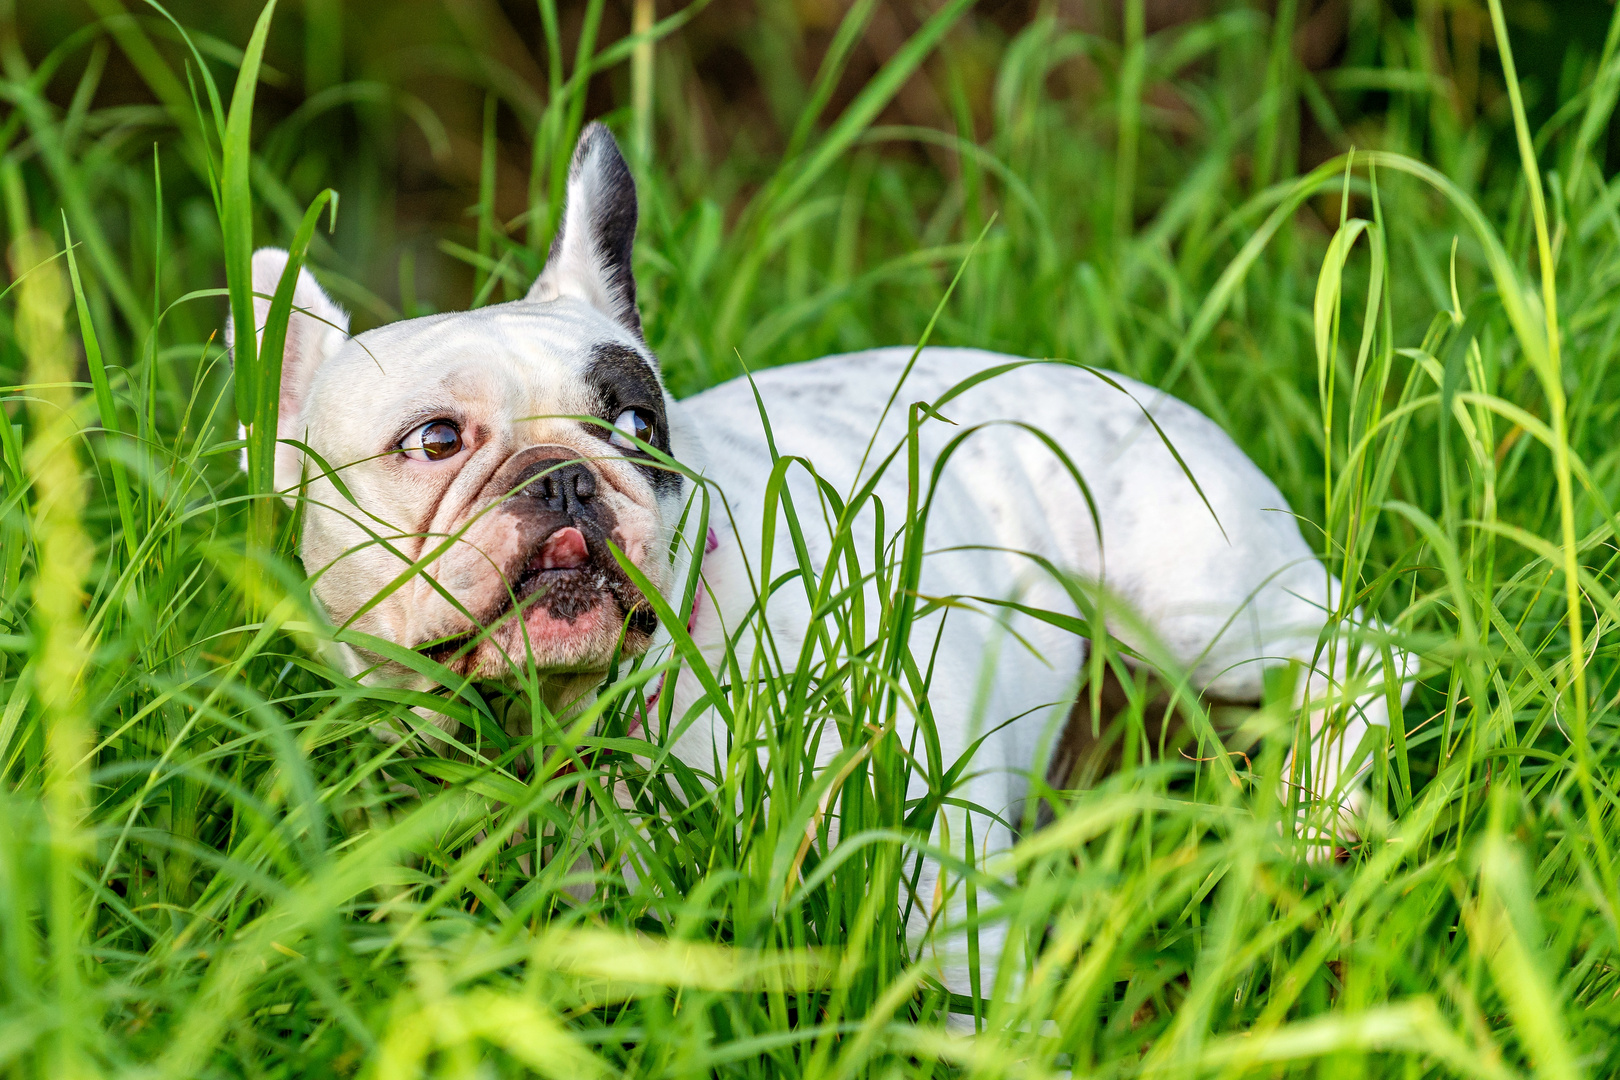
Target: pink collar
x=710 y=542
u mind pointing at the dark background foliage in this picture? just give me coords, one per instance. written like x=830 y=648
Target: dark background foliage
x=405 y=149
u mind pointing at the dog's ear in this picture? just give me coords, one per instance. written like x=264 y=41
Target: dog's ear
x=590 y=255
x=315 y=332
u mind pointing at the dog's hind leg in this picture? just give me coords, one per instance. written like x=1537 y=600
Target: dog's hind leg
x=1342 y=694
x=1246 y=621
x=1349 y=676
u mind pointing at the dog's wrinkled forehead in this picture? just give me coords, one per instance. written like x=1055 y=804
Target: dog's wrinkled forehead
x=524 y=359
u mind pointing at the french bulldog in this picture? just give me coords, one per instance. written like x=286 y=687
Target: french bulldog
x=489 y=462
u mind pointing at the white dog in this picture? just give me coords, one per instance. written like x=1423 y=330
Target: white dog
x=459 y=434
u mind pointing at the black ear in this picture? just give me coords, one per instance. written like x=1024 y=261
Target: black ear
x=590 y=255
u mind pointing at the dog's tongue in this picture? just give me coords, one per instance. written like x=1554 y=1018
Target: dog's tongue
x=563 y=550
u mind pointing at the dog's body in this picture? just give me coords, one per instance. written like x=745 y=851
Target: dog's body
x=1221 y=590
x=1224 y=606
x=458 y=440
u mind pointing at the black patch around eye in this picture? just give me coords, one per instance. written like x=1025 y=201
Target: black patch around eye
x=624 y=379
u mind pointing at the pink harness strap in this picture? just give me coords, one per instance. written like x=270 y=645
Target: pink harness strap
x=710 y=542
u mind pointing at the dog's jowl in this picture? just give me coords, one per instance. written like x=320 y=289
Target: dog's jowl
x=514 y=447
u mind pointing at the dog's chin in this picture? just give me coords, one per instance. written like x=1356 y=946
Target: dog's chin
x=551 y=640
x=572 y=623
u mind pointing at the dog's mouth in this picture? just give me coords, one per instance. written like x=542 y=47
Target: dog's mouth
x=569 y=576
x=563 y=550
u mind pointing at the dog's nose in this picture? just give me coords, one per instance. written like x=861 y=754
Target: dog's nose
x=562 y=485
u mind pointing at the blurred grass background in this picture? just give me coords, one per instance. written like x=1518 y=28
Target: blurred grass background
x=423 y=115
x=208 y=864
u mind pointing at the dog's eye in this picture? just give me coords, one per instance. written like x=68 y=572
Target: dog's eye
x=433 y=441
x=636 y=422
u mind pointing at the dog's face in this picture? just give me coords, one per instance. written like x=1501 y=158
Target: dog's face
x=499 y=452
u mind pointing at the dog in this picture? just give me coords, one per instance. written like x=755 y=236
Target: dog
x=511 y=449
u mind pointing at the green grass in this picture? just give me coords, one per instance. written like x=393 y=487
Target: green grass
x=210 y=865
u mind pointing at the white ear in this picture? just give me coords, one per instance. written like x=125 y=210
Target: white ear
x=590 y=255
x=315 y=332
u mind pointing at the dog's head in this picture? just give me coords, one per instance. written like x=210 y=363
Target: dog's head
x=457 y=442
